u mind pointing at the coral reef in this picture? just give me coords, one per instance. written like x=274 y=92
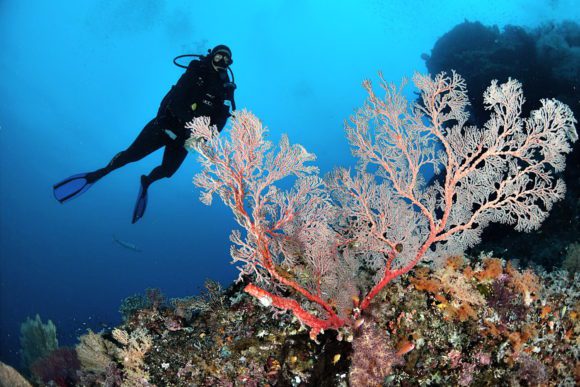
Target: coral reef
x=478 y=321
x=226 y=339
x=519 y=323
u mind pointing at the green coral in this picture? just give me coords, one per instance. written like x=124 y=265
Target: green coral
x=36 y=340
x=572 y=261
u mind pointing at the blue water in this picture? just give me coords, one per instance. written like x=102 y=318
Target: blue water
x=78 y=81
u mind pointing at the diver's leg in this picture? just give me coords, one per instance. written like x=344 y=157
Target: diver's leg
x=173 y=157
x=148 y=141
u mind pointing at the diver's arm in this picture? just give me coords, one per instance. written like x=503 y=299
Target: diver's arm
x=185 y=92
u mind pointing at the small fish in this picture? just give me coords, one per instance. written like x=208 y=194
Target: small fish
x=336 y=359
x=405 y=347
x=127 y=245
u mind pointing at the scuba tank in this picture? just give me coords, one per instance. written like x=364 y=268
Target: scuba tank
x=229 y=85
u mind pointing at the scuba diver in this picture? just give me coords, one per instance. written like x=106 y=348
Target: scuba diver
x=202 y=90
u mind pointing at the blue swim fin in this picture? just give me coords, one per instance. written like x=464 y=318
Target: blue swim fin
x=141 y=204
x=73 y=186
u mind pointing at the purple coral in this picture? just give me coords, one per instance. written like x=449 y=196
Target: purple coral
x=531 y=370
x=372 y=359
x=506 y=302
x=60 y=366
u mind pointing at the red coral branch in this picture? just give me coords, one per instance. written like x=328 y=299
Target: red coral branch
x=317 y=325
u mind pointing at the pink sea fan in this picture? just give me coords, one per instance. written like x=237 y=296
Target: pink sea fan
x=309 y=249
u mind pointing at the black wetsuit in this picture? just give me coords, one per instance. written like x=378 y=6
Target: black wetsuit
x=200 y=91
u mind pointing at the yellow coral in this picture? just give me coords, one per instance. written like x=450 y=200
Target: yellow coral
x=10 y=377
x=135 y=347
x=95 y=353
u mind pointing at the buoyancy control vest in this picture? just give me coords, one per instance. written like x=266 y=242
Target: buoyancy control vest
x=200 y=91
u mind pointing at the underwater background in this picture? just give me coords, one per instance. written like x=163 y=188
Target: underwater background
x=79 y=80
